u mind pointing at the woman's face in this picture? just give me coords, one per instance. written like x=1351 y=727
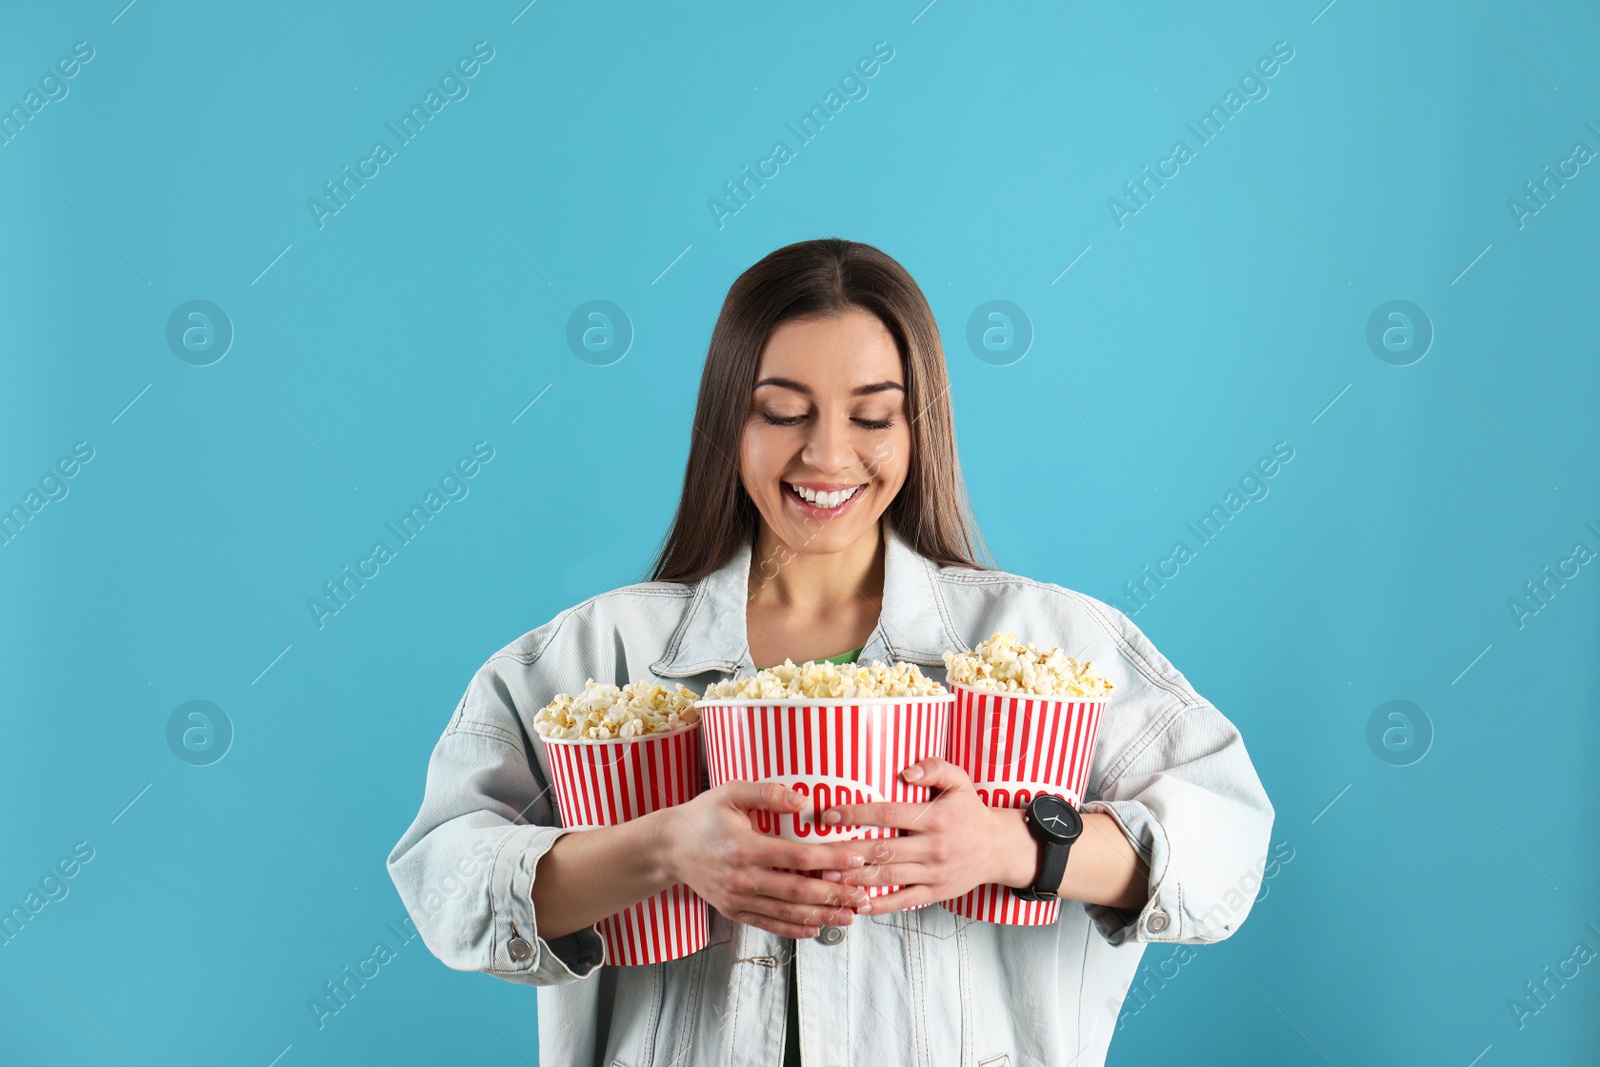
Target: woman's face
x=826 y=443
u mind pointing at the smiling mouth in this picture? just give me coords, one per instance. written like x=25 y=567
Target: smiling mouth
x=823 y=501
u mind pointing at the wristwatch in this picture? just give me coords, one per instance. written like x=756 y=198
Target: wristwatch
x=1055 y=824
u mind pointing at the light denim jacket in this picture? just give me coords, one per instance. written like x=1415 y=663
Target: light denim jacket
x=921 y=987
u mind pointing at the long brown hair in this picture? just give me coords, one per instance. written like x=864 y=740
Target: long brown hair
x=822 y=277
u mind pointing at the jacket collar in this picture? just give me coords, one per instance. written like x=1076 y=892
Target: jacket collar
x=914 y=624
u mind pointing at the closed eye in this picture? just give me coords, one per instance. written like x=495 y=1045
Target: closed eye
x=794 y=420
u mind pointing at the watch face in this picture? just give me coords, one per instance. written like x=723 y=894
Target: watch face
x=1055 y=817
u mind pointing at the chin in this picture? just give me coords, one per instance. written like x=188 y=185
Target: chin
x=822 y=542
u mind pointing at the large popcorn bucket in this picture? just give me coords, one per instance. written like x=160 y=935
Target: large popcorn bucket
x=1015 y=746
x=603 y=783
x=847 y=750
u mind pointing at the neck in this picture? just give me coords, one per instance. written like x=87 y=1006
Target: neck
x=815 y=584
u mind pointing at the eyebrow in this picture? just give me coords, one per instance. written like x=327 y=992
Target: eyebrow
x=800 y=387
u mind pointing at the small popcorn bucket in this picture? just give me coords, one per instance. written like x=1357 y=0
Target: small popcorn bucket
x=1015 y=746
x=847 y=750
x=603 y=783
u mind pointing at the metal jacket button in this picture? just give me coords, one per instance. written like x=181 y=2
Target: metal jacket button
x=1157 y=922
x=830 y=935
x=519 y=949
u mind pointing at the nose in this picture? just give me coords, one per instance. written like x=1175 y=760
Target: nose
x=830 y=445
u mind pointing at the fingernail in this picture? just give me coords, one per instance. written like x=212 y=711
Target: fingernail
x=794 y=798
x=858 y=860
x=865 y=909
x=912 y=773
x=831 y=817
x=832 y=876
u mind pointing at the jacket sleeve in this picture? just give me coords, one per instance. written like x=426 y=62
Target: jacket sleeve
x=465 y=868
x=1184 y=792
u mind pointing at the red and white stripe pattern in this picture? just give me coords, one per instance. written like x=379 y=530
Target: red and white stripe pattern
x=1016 y=746
x=834 y=751
x=603 y=783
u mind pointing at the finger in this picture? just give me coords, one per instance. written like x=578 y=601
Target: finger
x=836 y=856
x=936 y=773
x=909 y=897
x=773 y=909
x=799 y=889
x=889 y=874
x=773 y=926
x=879 y=813
x=902 y=849
x=767 y=796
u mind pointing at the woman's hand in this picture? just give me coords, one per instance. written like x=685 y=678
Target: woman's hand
x=712 y=848
x=946 y=846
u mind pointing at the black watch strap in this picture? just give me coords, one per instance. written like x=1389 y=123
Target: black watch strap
x=1052 y=866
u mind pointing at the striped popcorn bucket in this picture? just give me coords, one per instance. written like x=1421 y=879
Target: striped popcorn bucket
x=603 y=783
x=835 y=751
x=1014 y=747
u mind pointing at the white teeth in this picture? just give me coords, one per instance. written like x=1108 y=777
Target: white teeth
x=826 y=501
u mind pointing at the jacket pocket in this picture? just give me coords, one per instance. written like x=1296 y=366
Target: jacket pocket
x=635 y=1015
x=930 y=921
x=937 y=1000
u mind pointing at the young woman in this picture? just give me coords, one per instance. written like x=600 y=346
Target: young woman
x=823 y=516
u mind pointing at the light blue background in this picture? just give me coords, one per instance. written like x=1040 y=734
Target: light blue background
x=1223 y=317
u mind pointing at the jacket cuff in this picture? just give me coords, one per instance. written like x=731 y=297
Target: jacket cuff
x=519 y=953
x=1161 y=918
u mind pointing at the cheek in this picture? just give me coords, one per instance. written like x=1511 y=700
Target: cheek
x=757 y=460
x=892 y=455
